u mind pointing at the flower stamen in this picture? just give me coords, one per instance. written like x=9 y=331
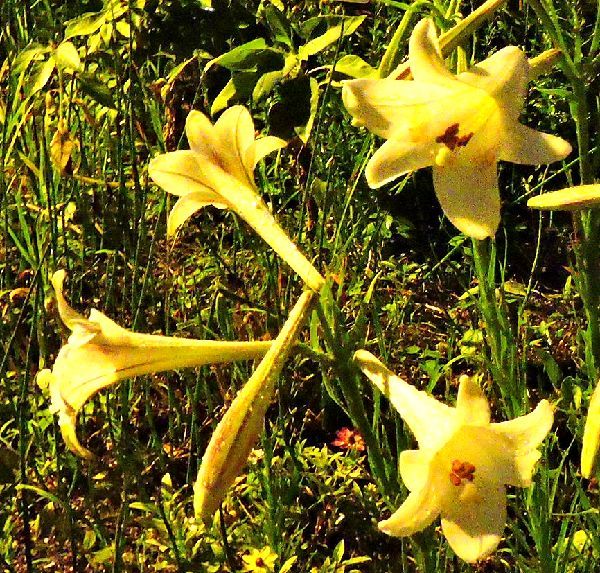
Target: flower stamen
x=451 y=139
x=461 y=471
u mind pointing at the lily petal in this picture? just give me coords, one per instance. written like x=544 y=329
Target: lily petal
x=416 y=407
x=472 y=406
x=425 y=57
x=414 y=468
x=473 y=522
x=187 y=205
x=503 y=76
x=524 y=467
x=235 y=132
x=526 y=433
x=570 y=199
x=179 y=173
x=470 y=197
x=395 y=158
x=418 y=511
x=591 y=435
x=416 y=112
x=261 y=148
x=527 y=146
x=202 y=136
x=70 y=317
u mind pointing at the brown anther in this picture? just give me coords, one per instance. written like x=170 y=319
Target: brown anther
x=451 y=139
x=461 y=471
x=462 y=141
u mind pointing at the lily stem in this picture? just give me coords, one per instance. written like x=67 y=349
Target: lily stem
x=585 y=223
x=501 y=338
x=587 y=239
x=347 y=377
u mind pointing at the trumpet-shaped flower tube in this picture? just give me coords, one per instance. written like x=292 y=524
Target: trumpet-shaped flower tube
x=99 y=353
x=575 y=199
x=218 y=170
x=463 y=462
x=460 y=125
x=591 y=435
x=241 y=425
x=569 y=199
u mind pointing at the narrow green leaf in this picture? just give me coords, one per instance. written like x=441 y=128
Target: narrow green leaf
x=96 y=89
x=43 y=72
x=85 y=25
x=222 y=99
x=34 y=52
x=265 y=84
x=304 y=131
x=240 y=58
x=345 y=27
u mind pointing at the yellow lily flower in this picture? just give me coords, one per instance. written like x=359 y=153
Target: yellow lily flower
x=591 y=435
x=575 y=199
x=569 y=199
x=461 y=125
x=99 y=353
x=218 y=170
x=463 y=461
x=240 y=427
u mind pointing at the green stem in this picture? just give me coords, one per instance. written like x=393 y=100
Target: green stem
x=587 y=228
x=393 y=55
x=500 y=336
x=425 y=552
x=347 y=377
x=568 y=66
x=586 y=223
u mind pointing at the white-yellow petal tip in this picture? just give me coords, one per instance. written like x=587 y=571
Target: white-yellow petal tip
x=569 y=199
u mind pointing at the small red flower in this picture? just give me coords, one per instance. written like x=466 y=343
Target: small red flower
x=348 y=439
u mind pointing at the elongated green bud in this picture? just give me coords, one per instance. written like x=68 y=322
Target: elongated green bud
x=242 y=424
x=454 y=37
x=591 y=435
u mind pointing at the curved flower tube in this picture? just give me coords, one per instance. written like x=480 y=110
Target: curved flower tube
x=99 y=353
x=569 y=199
x=460 y=125
x=218 y=170
x=591 y=435
x=578 y=198
x=240 y=427
x=463 y=462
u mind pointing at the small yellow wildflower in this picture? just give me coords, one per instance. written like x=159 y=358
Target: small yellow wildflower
x=260 y=560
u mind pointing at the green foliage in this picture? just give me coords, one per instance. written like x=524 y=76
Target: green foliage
x=257 y=68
